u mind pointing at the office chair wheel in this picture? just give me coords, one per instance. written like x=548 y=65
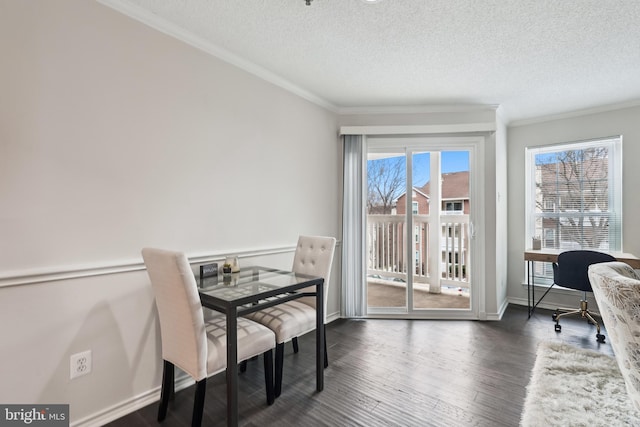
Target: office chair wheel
x=600 y=338
x=558 y=328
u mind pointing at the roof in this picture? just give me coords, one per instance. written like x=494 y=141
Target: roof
x=455 y=185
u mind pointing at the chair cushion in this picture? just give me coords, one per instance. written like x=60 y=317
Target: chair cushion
x=287 y=320
x=616 y=287
x=253 y=339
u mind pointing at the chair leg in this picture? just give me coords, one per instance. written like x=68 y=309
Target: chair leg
x=582 y=311
x=279 y=364
x=557 y=315
x=326 y=357
x=166 y=390
x=599 y=337
x=294 y=341
x=268 y=376
x=198 y=403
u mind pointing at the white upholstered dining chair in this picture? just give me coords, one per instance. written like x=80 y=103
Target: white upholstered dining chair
x=313 y=256
x=196 y=346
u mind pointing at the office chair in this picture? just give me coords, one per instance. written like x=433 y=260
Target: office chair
x=571 y=271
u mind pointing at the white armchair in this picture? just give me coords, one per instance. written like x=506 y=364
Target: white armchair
x=616 y=287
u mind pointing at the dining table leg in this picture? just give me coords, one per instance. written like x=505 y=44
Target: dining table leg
x=320 y=336
x=232 y=368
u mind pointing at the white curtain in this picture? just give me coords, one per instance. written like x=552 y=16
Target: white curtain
x=353 y=227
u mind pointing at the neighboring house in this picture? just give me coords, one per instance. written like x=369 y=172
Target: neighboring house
x=455 y=196
x=573 y=198
x=454 y=242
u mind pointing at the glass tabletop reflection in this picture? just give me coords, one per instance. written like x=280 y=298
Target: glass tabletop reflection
x=251 y=282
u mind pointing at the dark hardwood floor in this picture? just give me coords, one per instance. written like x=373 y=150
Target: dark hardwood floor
x=394 y=373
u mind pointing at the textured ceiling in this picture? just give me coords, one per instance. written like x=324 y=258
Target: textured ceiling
x=533 y=57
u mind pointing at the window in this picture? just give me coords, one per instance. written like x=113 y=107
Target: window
x=453 y=206
x=549 y=204
x=415 y=208
x=574 y=195
x=549 y=237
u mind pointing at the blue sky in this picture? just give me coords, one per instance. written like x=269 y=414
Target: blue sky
x=452 y=161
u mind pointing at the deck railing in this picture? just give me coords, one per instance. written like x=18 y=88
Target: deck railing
x=387 y=250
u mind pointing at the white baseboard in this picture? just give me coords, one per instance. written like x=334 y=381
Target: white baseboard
x=126 y=407
x=500 y=313
x=541 y=304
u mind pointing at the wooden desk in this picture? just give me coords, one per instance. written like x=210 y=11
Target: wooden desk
x=551 y=255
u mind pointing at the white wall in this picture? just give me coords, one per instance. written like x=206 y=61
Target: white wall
x=587 y=126
x=115 y=136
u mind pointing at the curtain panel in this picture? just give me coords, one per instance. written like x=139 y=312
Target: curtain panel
x=353 y=227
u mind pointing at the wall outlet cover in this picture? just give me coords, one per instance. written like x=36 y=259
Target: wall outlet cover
x=79 y=364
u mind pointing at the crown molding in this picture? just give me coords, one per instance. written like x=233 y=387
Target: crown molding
x=464 y=128
x=502 y=116
x=576 y=113
x=418 y=109
x=156 y=22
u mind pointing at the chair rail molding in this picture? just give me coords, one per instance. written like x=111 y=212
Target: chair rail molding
x=52 y=274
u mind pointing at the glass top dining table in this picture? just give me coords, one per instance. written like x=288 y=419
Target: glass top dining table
x=250 y=290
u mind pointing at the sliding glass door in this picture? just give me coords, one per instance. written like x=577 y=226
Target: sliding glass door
x=419 y=227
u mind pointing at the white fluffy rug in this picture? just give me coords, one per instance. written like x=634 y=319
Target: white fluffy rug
x=575 y=387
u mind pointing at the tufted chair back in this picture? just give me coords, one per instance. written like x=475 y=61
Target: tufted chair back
x=616 y=287
x=314 y=256
x=182 y=328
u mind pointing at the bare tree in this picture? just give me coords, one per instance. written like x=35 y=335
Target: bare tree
x=386 y=182
x=575 y=202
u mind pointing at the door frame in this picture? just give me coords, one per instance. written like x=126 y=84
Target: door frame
x=474 y=145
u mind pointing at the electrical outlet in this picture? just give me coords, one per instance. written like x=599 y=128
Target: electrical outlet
x=80 y=364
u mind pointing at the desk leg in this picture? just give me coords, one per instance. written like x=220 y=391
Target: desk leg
x=320 y=337
x=529 y=280
x=531 y=296
x=232 y=368
x=533 y=287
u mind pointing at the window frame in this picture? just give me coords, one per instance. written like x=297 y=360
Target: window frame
x=452 y=204
x=614 y=146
